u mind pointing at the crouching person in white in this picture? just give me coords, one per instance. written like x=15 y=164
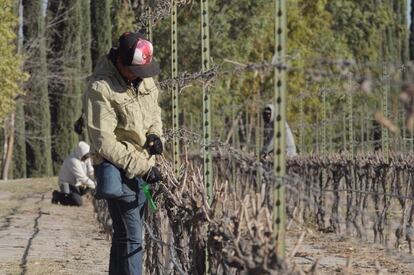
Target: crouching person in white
x=76 y=177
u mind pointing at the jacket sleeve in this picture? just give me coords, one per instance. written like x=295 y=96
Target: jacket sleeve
x=156 y=126
x=268 y=142
x=80 y=173
x=290 y=142
x=89 y=169
x=101 y=123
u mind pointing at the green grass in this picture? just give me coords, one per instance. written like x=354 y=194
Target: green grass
x=37 y=185
x=14 y=191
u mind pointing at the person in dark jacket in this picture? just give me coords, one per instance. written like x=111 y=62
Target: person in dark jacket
x=268 y=142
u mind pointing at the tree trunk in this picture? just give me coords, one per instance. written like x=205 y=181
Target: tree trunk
x=9 y=131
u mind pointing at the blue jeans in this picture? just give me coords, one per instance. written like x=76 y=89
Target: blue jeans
x=127 y=216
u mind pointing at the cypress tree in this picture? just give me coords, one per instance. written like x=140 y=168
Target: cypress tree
x=101 y=28
x=86 y=58
x=66 y=46
x=405 y=39
x=412 y=32
x=86 y=40
x=38 y=139
x=19 y=151
x=400 y=31
x=122 y=18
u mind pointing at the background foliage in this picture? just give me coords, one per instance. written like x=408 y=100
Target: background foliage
x=72 y=35
x=11 y=75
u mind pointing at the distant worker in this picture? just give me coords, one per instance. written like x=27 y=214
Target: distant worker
x=376 y=136
x=268 y=142
x=76 y=177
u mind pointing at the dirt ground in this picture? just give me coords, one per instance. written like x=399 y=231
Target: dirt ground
x=337 y=253
x=37 y=237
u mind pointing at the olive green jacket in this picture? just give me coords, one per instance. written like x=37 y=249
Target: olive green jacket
x=119 y=117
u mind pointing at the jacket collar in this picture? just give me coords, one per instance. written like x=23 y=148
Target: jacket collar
x=111 y=59
x=107 y=68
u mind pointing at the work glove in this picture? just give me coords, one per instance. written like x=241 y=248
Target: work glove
x=154 y=144
x=79 y=125
x=153 y=175
x=90 y=184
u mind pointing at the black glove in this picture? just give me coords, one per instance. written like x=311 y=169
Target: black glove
x=79 y=125
x=153 y=175
x=154 y=144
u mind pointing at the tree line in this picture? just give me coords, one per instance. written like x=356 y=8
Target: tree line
x=59 y=42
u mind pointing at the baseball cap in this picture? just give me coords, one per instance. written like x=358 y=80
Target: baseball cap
x=136 y=53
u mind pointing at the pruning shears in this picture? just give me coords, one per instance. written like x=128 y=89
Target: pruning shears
x=147 y=192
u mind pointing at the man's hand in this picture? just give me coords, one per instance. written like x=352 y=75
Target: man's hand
x=154 y=144
x=153 y=175
x=265 y=157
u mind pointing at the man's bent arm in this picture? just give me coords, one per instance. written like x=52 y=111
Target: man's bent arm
x=101 y=123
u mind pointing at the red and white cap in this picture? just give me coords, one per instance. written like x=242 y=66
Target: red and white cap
x=137 y=53
x=143 y=53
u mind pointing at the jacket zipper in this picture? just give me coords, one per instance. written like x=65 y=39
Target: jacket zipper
x=134 y=91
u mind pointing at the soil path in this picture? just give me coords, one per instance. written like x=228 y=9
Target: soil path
x=335 y=252
x=37 y=237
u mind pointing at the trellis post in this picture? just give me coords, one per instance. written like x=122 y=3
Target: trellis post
x=350 y=106
x=205 y=64
x=205 y=61
x=344 y=130
x=258 y=145
x=175 y=88
x=412 y=139
x=330 y=131
x=384 y=130
x=149 y=23
x=302 y=123
x=404 y=132
x=279 y=122
x=324 y=121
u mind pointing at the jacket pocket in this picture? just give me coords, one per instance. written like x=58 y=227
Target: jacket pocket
x=134 y=117
x=119 y=103
x=130 y=113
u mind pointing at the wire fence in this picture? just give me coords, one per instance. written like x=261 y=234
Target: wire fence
x=368 y=196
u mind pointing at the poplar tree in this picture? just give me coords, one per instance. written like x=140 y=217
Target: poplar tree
x=38 y=139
